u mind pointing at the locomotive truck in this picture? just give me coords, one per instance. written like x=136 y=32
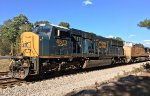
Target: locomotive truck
x=56 y=48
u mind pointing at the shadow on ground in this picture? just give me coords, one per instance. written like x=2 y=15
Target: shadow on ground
x=126 y=86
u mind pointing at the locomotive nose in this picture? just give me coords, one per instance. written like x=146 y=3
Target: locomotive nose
x=30 y=44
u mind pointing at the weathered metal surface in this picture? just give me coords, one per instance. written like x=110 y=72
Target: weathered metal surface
x=134 y=51
x=95 y=63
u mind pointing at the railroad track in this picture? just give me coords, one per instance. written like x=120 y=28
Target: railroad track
x=7 y=81
x=3 y=73
x=10 y=82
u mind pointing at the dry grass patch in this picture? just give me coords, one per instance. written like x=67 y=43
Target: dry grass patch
x=4 y=65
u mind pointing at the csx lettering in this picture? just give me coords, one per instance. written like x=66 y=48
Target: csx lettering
x=102 y=44
x=61 y=42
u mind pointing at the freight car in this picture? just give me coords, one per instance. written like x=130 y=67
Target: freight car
x=56 y=48
x=135 y=52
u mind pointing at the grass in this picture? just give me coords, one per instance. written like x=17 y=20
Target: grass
x=4 y=65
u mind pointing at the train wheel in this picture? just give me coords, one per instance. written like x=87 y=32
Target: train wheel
x=23 y=73
x=18 y=70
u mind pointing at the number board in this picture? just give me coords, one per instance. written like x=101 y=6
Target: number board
x=102 y=44
x=61 y=42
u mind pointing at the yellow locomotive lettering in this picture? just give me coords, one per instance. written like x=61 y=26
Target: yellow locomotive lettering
x=102 y=44
x=61 y=42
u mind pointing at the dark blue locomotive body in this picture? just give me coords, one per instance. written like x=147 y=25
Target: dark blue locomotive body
x=72 y=42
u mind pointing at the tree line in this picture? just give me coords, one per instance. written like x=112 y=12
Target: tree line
x=11 y=30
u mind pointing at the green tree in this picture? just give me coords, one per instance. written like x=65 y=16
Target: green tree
x=139 y=44
x=64 y=24
x=12 y=29
x=4 y=46
x=118 y=38
x=145 y=23
x=41 y=22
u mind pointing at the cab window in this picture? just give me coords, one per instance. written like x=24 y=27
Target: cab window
x=61 y=34
x=40 y=28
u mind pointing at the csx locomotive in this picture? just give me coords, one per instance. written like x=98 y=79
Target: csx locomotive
x=56 y=48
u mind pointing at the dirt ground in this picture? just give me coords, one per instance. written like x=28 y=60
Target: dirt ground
x=126 y=86
x=4 y=65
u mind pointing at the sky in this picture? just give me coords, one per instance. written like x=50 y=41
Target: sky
x=108 y=18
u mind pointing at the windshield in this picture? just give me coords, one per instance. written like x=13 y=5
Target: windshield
x=39 y=28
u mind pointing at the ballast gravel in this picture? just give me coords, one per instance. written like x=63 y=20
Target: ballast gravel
x=60 y=86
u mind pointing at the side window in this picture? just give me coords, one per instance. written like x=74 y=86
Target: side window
x=55 y=33
x=45 y=28
x=61 y=34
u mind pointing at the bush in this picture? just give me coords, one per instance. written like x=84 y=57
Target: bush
x=5 y=47
x=147 y=66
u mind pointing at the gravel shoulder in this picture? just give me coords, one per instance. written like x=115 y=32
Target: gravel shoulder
x=61 y=86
